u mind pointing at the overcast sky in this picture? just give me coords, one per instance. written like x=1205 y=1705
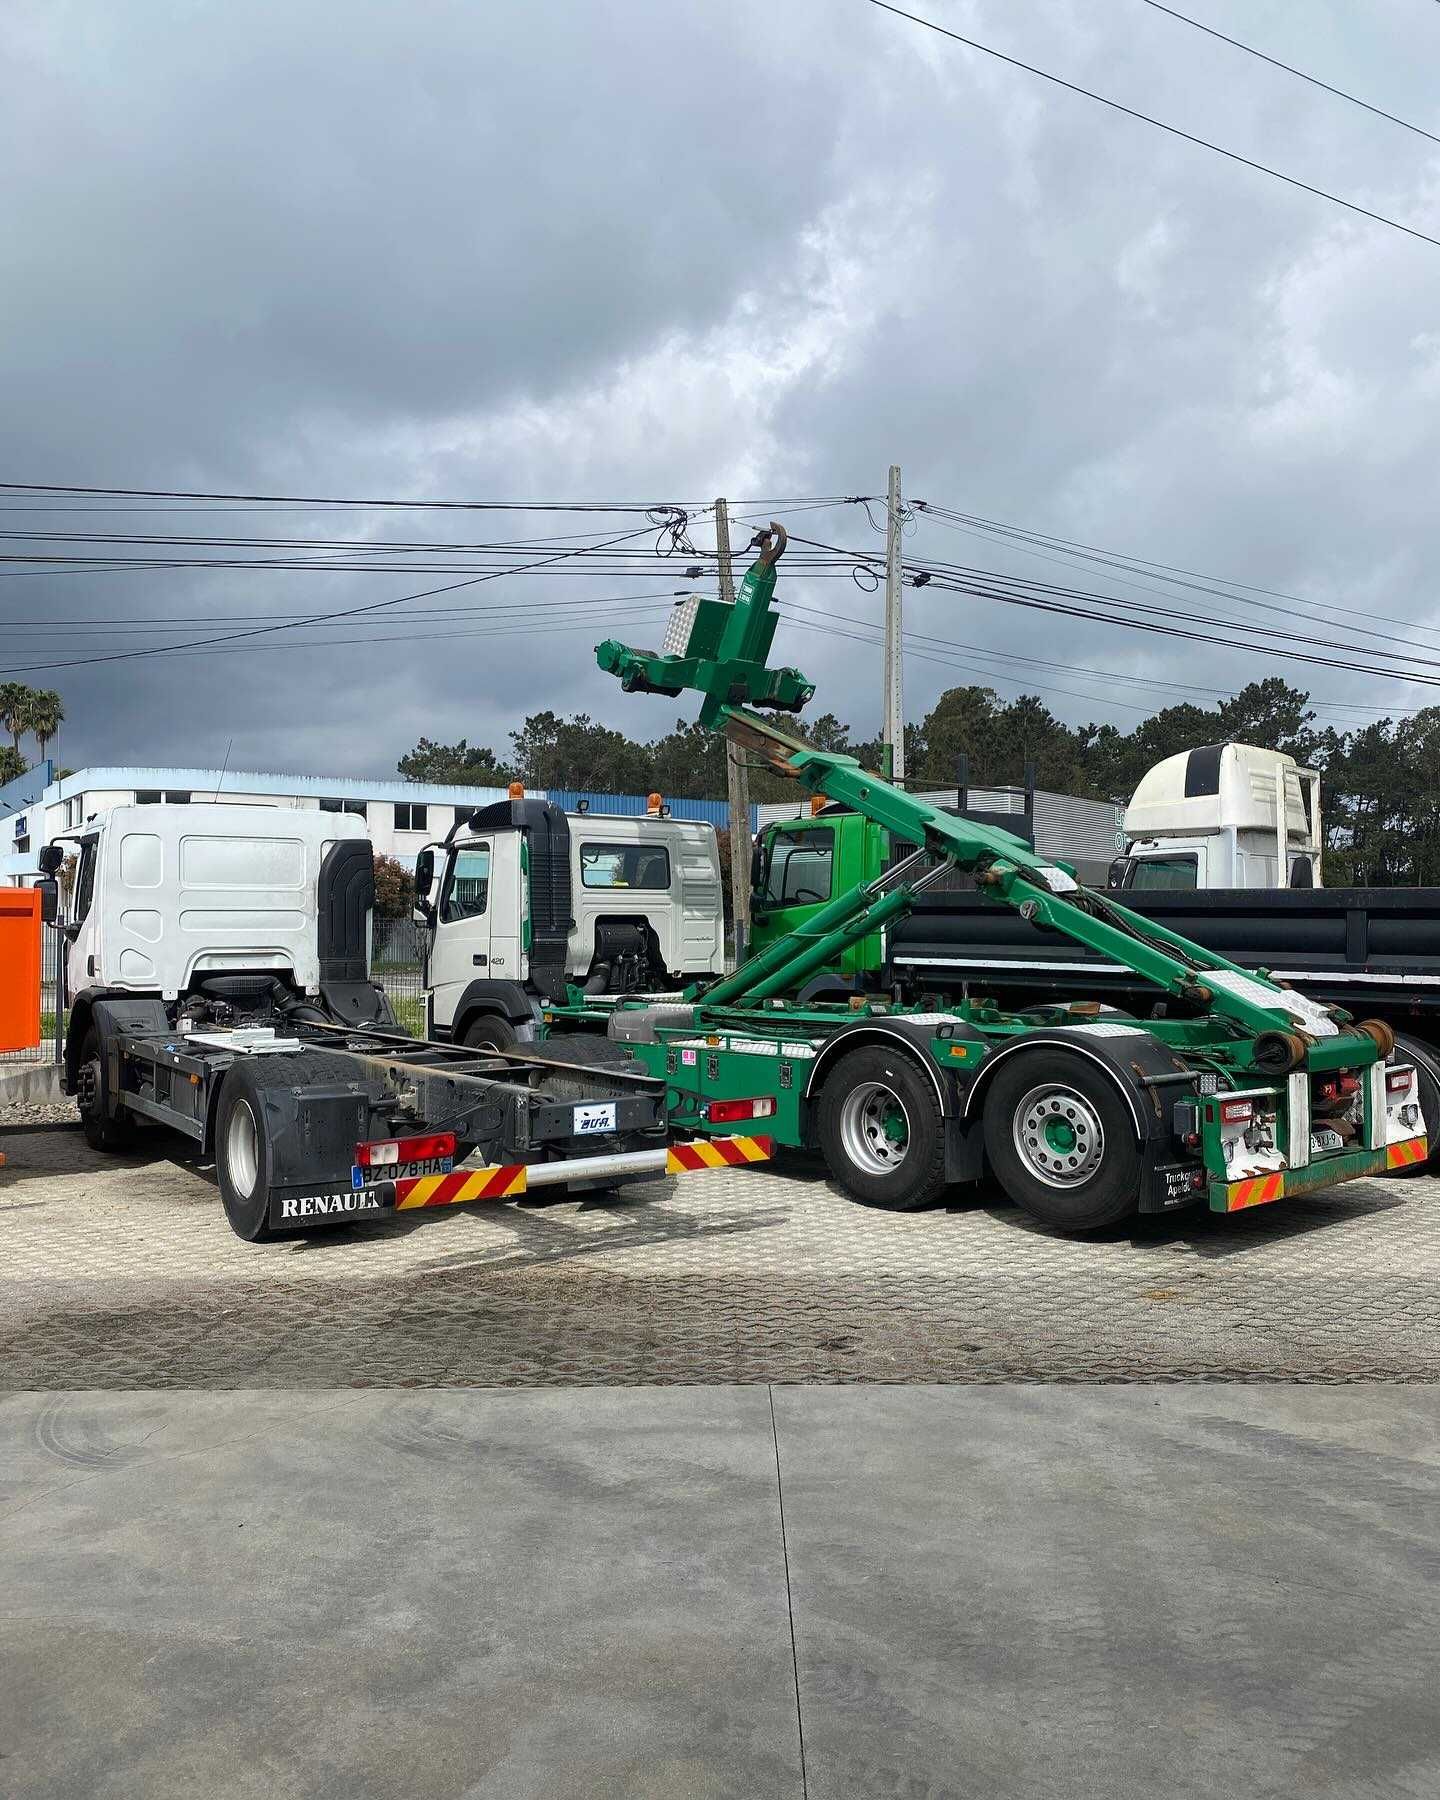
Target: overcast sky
x=670 y=249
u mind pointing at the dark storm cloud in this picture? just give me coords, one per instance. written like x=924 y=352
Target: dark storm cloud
x=565 y=252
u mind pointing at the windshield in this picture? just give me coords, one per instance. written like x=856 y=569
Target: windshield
x=1162 y=872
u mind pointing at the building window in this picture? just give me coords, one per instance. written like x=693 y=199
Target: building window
x=176 y=797
x=410 y=817
x=360 y=807
x=22 y=846
x=161 y=797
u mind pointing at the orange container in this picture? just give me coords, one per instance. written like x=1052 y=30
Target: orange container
x=19 y=968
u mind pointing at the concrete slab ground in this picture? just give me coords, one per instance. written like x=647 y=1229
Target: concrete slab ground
x=120 y=1272
x=814 y=1592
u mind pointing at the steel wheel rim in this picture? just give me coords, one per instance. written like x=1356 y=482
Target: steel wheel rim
x=242 y=1150
x=869 y=1117
x=1058 y=1135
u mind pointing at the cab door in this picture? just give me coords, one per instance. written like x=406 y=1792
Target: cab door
x=461 y=951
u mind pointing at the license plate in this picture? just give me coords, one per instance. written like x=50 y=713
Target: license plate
x=594 y=1118
x=1326 y=1140
x=363 y=1177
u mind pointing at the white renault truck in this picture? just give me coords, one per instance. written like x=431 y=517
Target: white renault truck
x=523 y=900
x=217 y=968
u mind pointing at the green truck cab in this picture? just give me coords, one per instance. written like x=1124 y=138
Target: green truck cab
x=801 y=864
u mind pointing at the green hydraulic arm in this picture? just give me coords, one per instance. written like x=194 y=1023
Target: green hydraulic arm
x=720 y=650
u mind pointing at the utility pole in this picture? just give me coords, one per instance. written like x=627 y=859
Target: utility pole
x=737 y=778
x=894 y=726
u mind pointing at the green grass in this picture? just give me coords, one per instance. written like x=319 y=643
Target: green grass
x=409 y=1013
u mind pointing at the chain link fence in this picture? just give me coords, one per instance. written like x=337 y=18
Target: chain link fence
x=397 y=962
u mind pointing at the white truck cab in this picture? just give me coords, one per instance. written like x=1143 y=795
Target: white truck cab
x=522 y=900
x=166 y=896
x=1223 y=816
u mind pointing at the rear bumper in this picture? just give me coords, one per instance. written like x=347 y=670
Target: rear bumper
x=507 y=1181
x=1259 y=1190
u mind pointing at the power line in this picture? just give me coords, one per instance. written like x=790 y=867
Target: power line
x=1183 y=578
x=1290 y=69
x=330 y=501
x=912 y=637
x=1159 y=124
x=163 y=621
x=345 y=613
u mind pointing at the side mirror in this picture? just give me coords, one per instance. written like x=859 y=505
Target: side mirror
x=49 y=891
x=1116 y=876
x=51 y=857
x=424 y=880
x=757 y=863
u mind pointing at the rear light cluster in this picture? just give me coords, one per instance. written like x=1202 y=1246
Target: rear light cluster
x=1236 y=1112
x=406 y=1150
x=731 y=1112
x=1397 y=1081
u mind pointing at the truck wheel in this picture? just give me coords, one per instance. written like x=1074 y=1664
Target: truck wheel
x=490 y=1033
x=882 y=1130
x=103 y=1131
x=1062 y=1142
x=1423 y=1058
x=244 y=1155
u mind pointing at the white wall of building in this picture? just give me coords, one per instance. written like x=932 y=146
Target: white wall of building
x=400 y=816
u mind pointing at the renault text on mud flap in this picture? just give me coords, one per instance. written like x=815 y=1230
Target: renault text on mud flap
x=313 y=1206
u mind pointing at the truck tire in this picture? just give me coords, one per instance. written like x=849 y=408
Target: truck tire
x=1061 y=1141
x=588 y=1050
x=1407 y=1049
x=244 y=1158
x=882 y=1130
x=490 y=1032
x=103 y=1129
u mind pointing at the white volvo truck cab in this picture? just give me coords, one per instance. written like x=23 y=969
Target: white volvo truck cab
x=1223 y=816
x=523 y=900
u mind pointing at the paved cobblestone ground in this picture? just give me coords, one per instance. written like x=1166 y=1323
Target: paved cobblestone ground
x=121 y=1273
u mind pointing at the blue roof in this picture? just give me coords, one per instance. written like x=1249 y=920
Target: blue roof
x=629 y=806
x=203 y=783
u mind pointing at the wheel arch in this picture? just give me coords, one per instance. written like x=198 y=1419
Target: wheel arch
x=491 y=999
x=874 y=1035
x=970 y=1108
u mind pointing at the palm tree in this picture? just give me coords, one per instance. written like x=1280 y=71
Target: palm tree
x=14 y=703
x=44 y=715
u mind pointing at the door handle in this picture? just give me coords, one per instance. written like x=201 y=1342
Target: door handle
x=479 y=961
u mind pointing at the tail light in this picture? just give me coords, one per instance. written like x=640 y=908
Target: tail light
x=1397 y=1081
x=406 y=1150
x=1236 y=1112
x=730 y=1112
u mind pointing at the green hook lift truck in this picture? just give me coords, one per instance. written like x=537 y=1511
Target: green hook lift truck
x=1236 y=1090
